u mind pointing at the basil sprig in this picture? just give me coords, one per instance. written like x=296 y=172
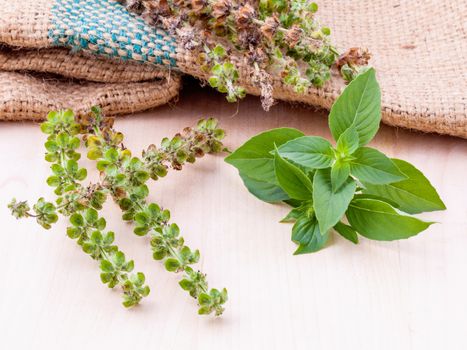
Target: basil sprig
x=349 y=188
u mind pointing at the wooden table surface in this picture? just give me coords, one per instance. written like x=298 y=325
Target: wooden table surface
x=409 y=294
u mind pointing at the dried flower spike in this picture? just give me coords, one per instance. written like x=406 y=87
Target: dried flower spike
x=274 y=38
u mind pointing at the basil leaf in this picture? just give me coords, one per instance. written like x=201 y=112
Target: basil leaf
x=359 y=105
x=312 y=152
x=261 y=145
x=378 y=220
x=266 y=191
x=348 y=142
x=295 y=203
x=372 y=166
x=254 y=159
x=379 y=198
x=339 y=173
x=295 y=213
x=412 y=195
x=261 y=169
x=347 y=232
x=292 y=179
x=330 y=206
x=306 y=233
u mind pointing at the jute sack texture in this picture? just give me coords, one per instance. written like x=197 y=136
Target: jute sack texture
x=36 y=78
x=418 y=47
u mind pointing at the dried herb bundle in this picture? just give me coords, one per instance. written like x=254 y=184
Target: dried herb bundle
x=267 y=38
x=123 y=177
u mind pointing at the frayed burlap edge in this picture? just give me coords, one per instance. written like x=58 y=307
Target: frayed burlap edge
x=31 y=97
x=77 y=65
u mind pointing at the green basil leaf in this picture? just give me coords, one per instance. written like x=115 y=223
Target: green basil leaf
x=292 y=179
x=359 y=105
x=296 y=212
x=261 y=145
x=412 y=195
x=378 y=220
x=261 y=169
x=330 y=206
x=308 y=151
x=306 y=233
x=372 y=166
x=254 y=159
x=294 y=203
x=348 y=142
x=340 y=172
x=266 y=191
x=347 y=232
x=379 y=198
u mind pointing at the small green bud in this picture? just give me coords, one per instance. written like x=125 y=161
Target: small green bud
x=326 y=31
x=53 y=181
x=214 y=81
x=81 y=174
x=119 y=258
x=77 y=220
x=186 y=284
x=204 y=299
x=141 y=230
x=172 y=265
x=94 y=153
x=47 y=128
x=19 y=209
x=73 y=232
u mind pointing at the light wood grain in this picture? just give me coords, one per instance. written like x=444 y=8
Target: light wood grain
x=402 y=295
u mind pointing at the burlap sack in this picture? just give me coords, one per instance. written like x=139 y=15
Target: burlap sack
x=77 y=65
x=35 y=78
x=419 y=49
x=31 y=97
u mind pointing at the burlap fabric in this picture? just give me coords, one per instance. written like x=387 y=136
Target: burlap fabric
x=418 y=46
x=36 y=78
x=419 y=50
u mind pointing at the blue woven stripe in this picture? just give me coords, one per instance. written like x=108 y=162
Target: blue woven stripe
x=104 y=27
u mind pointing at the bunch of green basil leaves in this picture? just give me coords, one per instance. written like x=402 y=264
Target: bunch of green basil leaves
x=325 y=184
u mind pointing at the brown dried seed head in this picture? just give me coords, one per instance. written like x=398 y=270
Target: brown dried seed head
x=108 y=122
x=198 y=6
x=198 y=152
x=269 y=28
x=176 y=165
x=220 y=9
x=155 y=10
x=163 y=7
x=120 y=193
x=244 y=16
x=200 y=138
x=136 y=6
x=86 y=119
x=293 y=36
x=107 y=133
x=354 y=56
